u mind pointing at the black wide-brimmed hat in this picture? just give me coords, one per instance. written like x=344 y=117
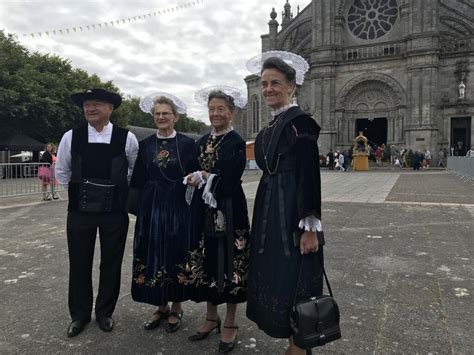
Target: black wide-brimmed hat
x=97 y=94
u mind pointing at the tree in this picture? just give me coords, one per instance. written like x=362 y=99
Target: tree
x=189 y=124
x=35 y=93
x=136 y=117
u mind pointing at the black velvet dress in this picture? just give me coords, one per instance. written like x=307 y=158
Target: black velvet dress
x=289 y=190
x=162 y=239
x=218 y=269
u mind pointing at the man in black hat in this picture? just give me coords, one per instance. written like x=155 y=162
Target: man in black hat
x=95 y=161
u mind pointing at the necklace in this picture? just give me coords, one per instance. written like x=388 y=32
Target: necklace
x=162 y=158
x=276 y=121
x=209 y=153
x=223 y=132
x=265 y=153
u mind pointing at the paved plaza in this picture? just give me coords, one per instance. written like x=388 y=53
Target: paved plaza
x=399 y=255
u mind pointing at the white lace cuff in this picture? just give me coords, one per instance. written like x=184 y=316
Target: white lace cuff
x=311 y=224
x=207 y=195
x=197 y=175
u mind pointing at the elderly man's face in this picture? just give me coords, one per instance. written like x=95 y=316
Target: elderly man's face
x=97 y=112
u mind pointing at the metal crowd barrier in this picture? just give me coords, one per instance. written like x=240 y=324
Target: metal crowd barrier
x=21 y=179
x=462 y=167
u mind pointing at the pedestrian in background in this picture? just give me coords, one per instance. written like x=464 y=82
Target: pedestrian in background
x=417 y=160
x=441 y=158
x=379 y=154
x=46 y=172
x=330 y=159
x=470 y=152
x=427 y=158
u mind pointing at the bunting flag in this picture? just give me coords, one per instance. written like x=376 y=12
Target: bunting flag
x=112 y=23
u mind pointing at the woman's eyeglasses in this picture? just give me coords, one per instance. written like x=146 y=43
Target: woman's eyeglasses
x=163 y=114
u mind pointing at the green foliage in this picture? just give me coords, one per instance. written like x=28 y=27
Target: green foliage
x=189 y=124
x=35 y=94
x=35 y=90
x=136 y=117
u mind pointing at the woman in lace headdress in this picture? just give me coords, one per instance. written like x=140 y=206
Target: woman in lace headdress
x=162 y=228
x=217 y=272
x=286 y=226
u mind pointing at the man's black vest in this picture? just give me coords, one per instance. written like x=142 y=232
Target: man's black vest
x=99 y=161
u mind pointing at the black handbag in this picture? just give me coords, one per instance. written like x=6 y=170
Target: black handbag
x=315 y=321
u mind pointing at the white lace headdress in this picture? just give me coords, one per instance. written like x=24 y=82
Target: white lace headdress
x=146 y=103
x=254 y=64
x=240 y=99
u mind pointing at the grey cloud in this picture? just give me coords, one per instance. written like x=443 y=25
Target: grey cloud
x=179 y=52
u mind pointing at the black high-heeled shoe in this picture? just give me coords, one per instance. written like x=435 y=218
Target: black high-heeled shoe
x=204 y=335
x=173 y=327
x=155 y=321
x=227 y=347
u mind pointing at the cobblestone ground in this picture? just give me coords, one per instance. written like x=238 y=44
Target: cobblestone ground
x=401 y=270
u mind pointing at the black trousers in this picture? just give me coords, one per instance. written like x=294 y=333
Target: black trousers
x=81 y=236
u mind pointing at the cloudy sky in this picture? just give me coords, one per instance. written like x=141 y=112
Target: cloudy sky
x=178 y=52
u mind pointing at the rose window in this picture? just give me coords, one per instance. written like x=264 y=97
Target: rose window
x=371 y=19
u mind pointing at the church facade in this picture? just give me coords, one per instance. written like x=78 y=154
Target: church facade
x=401 y=71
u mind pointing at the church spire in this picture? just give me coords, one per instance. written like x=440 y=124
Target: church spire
x=287 y=15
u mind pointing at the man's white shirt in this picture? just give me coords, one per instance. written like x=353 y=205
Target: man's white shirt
x=63 y=162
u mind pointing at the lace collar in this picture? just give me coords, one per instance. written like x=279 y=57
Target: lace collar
x=281 y=109
x=225 y=131
x=172 y=135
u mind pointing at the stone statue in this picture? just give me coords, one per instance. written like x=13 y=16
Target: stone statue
x=462 y=90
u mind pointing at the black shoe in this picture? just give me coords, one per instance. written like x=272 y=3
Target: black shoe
x=106 y=324
x=76 y=327
x=227 y=347
x=173 y=327
x=204 y=335
x=154 y=322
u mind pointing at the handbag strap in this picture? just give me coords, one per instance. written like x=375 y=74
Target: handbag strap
x=324 y=273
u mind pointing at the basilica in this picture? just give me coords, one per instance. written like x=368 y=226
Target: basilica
x=400 y=71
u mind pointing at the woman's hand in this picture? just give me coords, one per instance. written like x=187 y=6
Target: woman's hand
x=191 y=180
x=308 y=243
x=194 y=181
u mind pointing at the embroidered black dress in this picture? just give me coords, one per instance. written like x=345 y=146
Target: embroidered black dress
x=161 y=240
x=218 y=269
x=289 y=190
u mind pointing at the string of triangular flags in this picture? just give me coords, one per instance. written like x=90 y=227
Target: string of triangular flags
x=99 y=26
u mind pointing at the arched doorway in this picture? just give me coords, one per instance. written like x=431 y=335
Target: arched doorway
x=373 y=104
x=375 y=130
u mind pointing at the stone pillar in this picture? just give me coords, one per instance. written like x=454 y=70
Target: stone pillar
x=413 y=98
x=273 y=31
x=422 y=71
x=323 y=70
